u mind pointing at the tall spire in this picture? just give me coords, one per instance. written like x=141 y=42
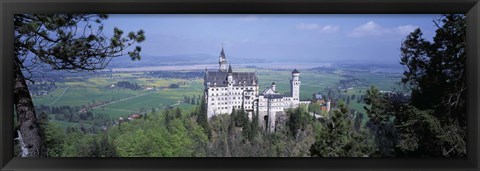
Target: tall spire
x=222 y=61
x=295 y=71
x=222 y=54
x=229 y=68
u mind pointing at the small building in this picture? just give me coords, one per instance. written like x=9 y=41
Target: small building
x=134 y=116
x=324 y=104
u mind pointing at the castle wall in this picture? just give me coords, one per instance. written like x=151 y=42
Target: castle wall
x=223 y=93
x=221 y=100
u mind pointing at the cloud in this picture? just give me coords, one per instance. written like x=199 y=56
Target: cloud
x=406 y=29
x=369 y=29
x=373 y=29
x=329 y=29
x=249 y=18
x=303 y=26
x=323 y=29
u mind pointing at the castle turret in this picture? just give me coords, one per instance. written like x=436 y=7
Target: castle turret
x=295 y=85
x=230 y=75
x=328 y=105
x=230 y=88
x=206 y=83
x=222 y=61
x=274 y=86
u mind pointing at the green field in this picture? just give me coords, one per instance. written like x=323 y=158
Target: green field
x=74 y=91
x=312 y=81
x=158 y=100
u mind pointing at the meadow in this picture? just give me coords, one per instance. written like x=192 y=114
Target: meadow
x=120 y=102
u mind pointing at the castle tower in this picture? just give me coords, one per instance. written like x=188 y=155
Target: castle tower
x=229 y=87
x=274 y=86
x=230 y=76
x=222 y=61
x=328 y=105
x=295 y=86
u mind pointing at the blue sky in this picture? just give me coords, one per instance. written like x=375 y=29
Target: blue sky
x=307 y=38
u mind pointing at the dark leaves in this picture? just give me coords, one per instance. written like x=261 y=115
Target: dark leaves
x=71 y=41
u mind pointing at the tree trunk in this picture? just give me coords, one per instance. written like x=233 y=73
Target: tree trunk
x=26 y=118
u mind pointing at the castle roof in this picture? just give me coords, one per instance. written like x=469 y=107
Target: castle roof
x=272 y=96
x=219 y=78
x=295 y=71
x=229 y=68
x=222 y=54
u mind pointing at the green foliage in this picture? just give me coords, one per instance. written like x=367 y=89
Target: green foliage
x=378 y=111
x=431 y=123
x=381 y=112
x=168 y=117
x=106 y=148
x=78 y=144
x=199 y=138
x=202 y=118
x=55 y=39
x=178 y=113
x=315 y=108
x=419 y=133
x=338 y=139
x=52 y=137
x=298 y=119
x=255 y=126
x=436 y=77
x=182 y=137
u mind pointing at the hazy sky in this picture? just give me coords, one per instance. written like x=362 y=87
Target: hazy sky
x=315 y=38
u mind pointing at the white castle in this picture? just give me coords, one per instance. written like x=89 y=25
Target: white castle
x=226 y=90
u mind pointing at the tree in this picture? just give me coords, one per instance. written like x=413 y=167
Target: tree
x=378 y=110
x=231 y=125
x=337 y=138
x=314 y=107
x=52 y=137
x=298 y=119
x=72 y=42
x=435 y=75
x=178 y=113
x=381 y=112
x=255 y=127
x=168 y=118
x=105 y=146
x=202 y=117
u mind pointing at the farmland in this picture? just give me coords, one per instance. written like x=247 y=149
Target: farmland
x=97 y=92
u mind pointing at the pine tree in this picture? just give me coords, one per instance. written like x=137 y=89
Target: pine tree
x=436 y=77
x=381 y=112
x=338 y=139
x=178 y=113
x=53 y=40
